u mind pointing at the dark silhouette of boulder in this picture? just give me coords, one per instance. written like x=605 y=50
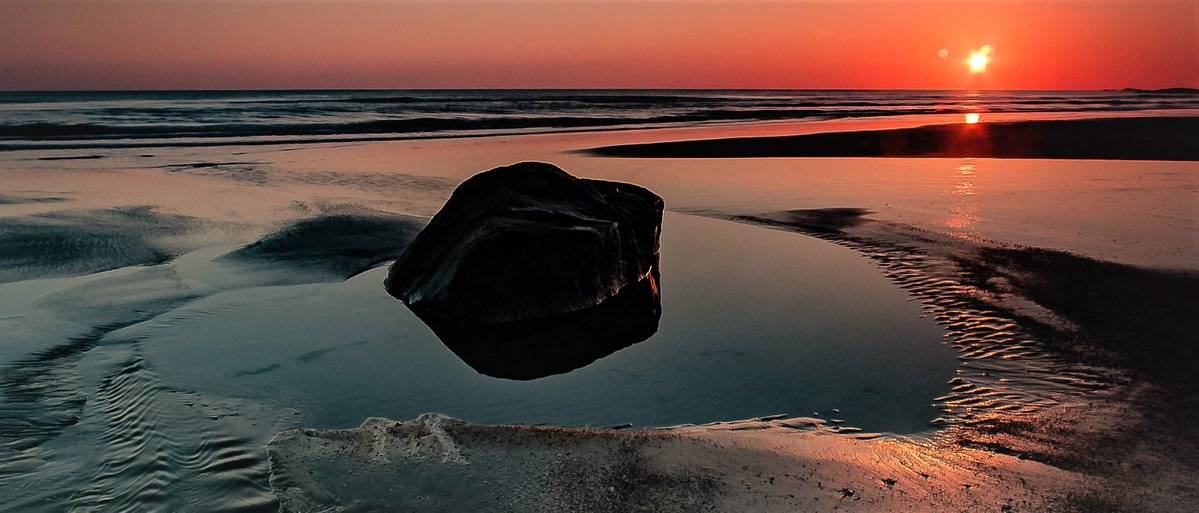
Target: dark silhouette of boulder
x=528 y=241
x=528 y=271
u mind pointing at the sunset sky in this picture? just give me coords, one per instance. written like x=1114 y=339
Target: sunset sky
x=398 y=44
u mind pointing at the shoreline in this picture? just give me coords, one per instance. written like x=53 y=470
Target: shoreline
x=995 y=452
x=1007 y=310
x=664 y=133
x=776 y=465
x=1131 y=138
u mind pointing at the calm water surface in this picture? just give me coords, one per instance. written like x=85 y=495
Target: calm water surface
x=754 y=322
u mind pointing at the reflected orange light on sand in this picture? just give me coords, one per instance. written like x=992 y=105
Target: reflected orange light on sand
x=972 y=118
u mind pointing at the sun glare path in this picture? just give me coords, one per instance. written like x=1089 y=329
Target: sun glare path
x=979 y=59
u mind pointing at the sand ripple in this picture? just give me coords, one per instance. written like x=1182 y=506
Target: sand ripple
x=87 y=425
x=1005 y=369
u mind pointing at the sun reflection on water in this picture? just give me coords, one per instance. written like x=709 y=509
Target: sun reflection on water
x=965 y=213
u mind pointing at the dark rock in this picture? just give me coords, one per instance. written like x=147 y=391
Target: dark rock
x=528 y=271
x=529 y=241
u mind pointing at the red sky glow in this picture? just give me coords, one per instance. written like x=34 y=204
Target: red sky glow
x=397 y=44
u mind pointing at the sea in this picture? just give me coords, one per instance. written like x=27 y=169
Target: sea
x=62 y=120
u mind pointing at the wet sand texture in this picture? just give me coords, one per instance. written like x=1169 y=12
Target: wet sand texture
x=1102 y=312
x=436 y=463
x=1114 y=391
x=75 y=242
x=1112 y=339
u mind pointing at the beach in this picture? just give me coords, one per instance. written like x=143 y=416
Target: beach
x=198 y=321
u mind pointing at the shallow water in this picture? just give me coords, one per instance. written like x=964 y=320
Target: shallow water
x=156 y=386
x=742 y=334
x=1143 y=213
x=159 y=385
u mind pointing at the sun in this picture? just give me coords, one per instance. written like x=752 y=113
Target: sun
x=979 y=59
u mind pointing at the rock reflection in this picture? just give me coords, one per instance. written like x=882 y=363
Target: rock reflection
x=542 y=347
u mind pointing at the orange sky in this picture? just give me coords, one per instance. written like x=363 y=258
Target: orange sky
x=174 y=44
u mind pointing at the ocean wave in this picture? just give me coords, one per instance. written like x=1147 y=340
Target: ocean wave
x=74 y=131
x=33 y=120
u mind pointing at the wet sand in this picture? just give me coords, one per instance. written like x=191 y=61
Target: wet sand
x=1126 y=329
x=1166 y=138
x=1076 y=393
x=770 y=466
x=1116 y=435
x=168 y=257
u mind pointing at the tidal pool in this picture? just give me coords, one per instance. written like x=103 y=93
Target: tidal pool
x=161 y=383
x=754 y=322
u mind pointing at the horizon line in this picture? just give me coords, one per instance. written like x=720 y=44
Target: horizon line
x=233 y=90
